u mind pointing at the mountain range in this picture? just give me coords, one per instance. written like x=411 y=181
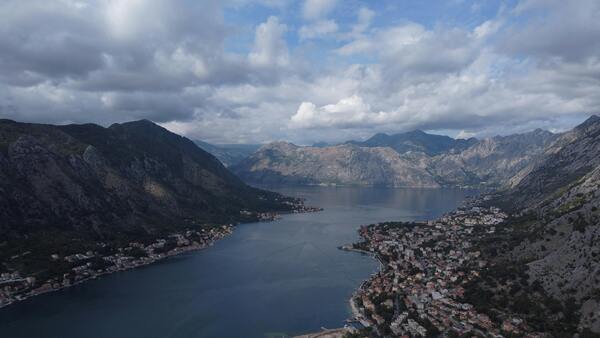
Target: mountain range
x=417 y=141
x=413 y=159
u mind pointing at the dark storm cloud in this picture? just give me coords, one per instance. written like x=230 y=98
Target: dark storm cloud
x=37 y=38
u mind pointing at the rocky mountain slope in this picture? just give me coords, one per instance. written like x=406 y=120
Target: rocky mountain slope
x=286 y=163
x=556 y=233
x=417 y=141
x=130 y=180
x=413 y=159
x=573 y=155
x=493 y=161
x=228 y=154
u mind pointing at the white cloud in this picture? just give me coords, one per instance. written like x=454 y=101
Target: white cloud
x=365 y=16
x=317 y=29
x=347 y=111
x=386 y=41
x=487 y=28
x=267 y=3
x=108 y=61
x=464 y=135
x=317 y=9
x=270 y=48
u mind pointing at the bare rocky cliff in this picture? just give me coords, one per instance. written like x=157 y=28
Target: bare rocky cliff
x=493 y=161
x=556 y=233
x=425 y=161
x=347 y=164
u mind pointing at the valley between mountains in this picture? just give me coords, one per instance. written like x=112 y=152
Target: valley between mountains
x=537 y=271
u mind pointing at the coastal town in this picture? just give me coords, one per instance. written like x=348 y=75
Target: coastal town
x=92 y=264
x=425 y=266
x=79 y=267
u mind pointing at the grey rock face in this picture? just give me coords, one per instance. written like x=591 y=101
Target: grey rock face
x=344 y=165
x=493 y=161
x=568 y=159
x=489 y=162
x=562 y=244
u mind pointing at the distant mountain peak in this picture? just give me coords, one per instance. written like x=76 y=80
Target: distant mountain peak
x=139 y=123
x=276 y=144
x=418 y=132
x=416 y=141
x=592 y=120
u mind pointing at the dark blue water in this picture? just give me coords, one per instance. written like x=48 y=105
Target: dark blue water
x=265 y=280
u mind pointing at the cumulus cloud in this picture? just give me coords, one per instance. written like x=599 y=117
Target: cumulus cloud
x=318 y=29
x=365 y=16
x=412 y=49
x=345 y=75
x=347 y=111
x=119 y=60
x=464 y=135
x=270 y=48
x=317 y=9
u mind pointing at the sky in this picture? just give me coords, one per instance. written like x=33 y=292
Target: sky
x=242 y=71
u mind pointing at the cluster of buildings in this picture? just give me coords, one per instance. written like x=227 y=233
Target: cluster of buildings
x=91 y=264
x=78 y=267
x=420 y=287
x=297 y=208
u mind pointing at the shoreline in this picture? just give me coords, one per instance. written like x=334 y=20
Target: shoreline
x=161 y=257
x=356 y=314
x=432 y=300
x=149 y=260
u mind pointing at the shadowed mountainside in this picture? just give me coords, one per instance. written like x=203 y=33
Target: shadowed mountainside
x=130 y=178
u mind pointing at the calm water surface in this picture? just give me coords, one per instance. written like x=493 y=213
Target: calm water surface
x=266 y=280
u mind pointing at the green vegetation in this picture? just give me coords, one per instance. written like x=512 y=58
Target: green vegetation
x=504 y=288
x=571 y=205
